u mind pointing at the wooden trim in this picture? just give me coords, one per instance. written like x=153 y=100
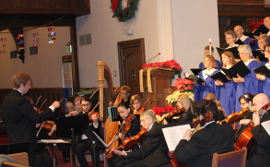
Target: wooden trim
x=51 y=94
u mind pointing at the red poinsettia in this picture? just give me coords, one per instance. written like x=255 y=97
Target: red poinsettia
x=183 y=85
x=163 y=110
x=167 y=64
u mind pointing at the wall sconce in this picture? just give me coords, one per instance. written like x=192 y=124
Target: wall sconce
x=128 y=32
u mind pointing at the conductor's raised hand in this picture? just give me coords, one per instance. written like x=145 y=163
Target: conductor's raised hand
x=56 y=104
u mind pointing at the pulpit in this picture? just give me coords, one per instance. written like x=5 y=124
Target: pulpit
x=153 y=82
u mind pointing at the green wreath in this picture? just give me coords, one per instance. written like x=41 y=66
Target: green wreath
x=125 y=14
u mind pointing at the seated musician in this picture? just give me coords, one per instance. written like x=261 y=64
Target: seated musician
x=130 y=126
x=77 y=104
x=221 y=114
x=84 y=143
x=71 y=110
x=198 y=149
x=260 y=155
x=136 y=105
x=184 y=111
x=124 y=96
x=153 y=151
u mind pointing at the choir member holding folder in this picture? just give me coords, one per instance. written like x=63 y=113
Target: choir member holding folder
x=226 y=88
x=247 y=82
x=207 y=52
x=208 y=86
x=259 y=54
x=263 y=73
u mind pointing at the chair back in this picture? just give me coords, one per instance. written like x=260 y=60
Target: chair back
x=233 y=158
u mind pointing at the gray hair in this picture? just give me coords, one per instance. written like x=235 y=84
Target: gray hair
x=246 y=49
x=149 y=114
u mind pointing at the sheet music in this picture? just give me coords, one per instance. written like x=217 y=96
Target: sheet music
x=100 y=140
x=266 y=126
x=174 y=134
x=53 y=141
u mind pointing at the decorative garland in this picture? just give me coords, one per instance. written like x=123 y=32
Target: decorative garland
x=124 y=14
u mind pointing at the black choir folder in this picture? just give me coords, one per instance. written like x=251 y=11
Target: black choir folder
x=263 y=70
x=260 y=55
x=261 y=30
x=234 y=51
x=113 y=114
x=239 y=42
x=196 y=71
x=239 y=68
x=194 y=78
x=220 y=76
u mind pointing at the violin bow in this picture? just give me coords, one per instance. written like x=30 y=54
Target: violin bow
x=146 y=101
x=38 y=100
x=40 y=128
x=94 y=93
x=42 y=104
x=95 y=107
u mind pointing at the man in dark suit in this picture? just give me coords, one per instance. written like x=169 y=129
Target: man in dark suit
x=21 y=117
x=213 y=138
x=260 y=156
x=153 y=151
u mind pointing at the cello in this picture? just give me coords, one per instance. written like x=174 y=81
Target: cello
x=246 y=138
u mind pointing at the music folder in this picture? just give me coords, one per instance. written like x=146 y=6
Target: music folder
x=194 y=78
x=263 y=70
x=234 y=51
x=113 y=114
x=261 y=30
x=239 y=68
x=196 y=71
x=260 y=55
x=220 y=76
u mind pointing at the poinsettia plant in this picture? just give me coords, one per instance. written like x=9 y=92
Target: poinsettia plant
x=167 y=64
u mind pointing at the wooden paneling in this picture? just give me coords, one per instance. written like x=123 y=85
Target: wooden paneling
x=44 y=6
x=51 y=94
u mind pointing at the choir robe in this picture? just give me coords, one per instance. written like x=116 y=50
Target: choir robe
x=251 y=83
x=200 y=90
x=219 y=65
x=226 y=96
x=265 y=85
x=245 y=40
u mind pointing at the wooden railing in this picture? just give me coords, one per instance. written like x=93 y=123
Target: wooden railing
x=241 y=1
x=45 y=6
x=51 y=94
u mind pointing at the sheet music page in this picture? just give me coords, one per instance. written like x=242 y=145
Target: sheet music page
x=174 y=134
x=53 y=141
x=266 y=126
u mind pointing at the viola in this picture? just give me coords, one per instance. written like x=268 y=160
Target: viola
x=48 y=125
x=246 y=138
x=95 y=113
x=137 y=112
x=235 y=117
x=175 y=112
x=129 y=142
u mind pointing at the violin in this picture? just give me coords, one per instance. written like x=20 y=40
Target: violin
x=235 y=117
x=137 y=112
x=48 y=125
x=96 y=113
x=246 y=138
x=129 y=142
x=175 y=112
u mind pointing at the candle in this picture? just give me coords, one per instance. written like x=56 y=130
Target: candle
x=210 y=48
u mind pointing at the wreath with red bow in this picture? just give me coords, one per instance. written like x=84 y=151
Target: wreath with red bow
x=124 y=13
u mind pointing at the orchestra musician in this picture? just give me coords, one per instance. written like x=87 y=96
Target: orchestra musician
x=136 y=105
x=185 y=116
x=198 y=149
x=221 y=114
x=84 y=143
x=260 y=155
x=21 y=117
x=226 y=91
x=124 y=94
x=265 y=81
x=249 y=83
x=129 y=127
x=153 y=151
x=77 y=104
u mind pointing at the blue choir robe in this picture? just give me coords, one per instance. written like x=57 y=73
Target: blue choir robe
x=244 y=39
x=266 y=83
x=250 y=85
x=226 y=96
x=219 y=65
x=200 y=90
x=254 y=44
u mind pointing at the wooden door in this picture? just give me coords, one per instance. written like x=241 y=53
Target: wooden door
x=131 y=56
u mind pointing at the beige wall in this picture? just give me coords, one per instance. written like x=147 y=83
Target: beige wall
x=45 y=68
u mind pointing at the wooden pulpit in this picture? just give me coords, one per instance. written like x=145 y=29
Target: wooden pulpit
x=153 y=82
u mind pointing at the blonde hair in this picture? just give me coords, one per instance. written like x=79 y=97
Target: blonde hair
x=212 y=60
x=133 y=98
x=186 y=102
x=213 y=97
